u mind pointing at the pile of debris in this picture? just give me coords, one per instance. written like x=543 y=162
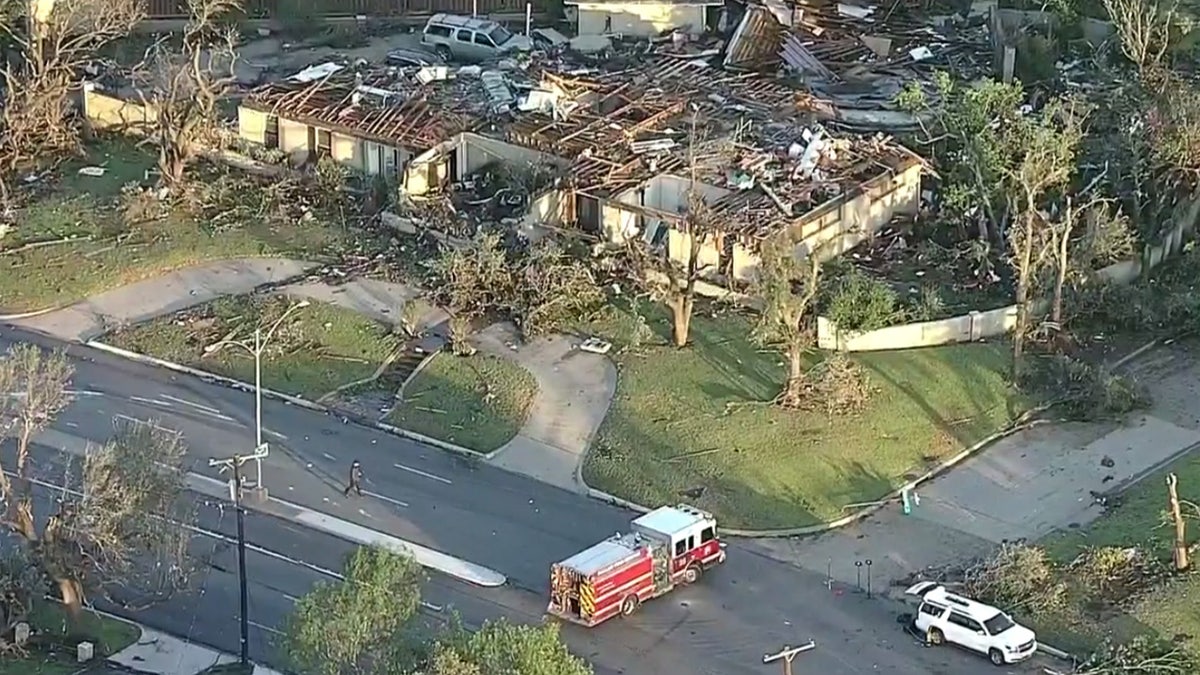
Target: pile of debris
x=858 y=57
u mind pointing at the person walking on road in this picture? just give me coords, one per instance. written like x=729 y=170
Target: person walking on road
x=356 y=475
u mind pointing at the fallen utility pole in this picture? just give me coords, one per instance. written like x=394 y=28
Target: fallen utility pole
x=235 y=495
x=787 y=654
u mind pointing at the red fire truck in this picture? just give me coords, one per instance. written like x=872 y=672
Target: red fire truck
x=665 y=548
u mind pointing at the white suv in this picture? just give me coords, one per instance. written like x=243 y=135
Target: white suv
x=948 y=618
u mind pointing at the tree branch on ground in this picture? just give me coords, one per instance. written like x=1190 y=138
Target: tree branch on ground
x=118 y=523
x=53 y=42
x=357 y=625
x=181 y=91
x=21 y=584
x=1141 y=656
x=553 y=290
x=788 y=287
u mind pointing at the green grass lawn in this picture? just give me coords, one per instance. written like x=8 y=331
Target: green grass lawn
x=669 y=431
x=317 y=349
x=51 y=651
x=106 y=251
x=479 y=402
x=1170 y=611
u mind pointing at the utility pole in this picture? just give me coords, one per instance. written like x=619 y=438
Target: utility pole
x=235 y=495
x=787 y=654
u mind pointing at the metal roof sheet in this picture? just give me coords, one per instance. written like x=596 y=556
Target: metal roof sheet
x=605 y=554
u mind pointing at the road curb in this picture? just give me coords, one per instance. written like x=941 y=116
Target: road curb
x=29 y=315
x=941 y=468
x=1055 y=652
x=286 y=398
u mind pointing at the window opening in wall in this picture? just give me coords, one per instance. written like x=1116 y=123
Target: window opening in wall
x=587 y=213
x=324 y=143
x=271 y=133
x=391 y=159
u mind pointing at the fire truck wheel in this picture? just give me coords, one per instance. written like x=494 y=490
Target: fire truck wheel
x=692 y=574
x=629 y=605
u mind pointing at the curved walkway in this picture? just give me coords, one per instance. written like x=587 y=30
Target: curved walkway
x=575 y=388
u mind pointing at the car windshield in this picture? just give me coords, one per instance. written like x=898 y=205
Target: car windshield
x=499 y=36
x=998 y=624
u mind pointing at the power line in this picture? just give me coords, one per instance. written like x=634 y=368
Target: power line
x=235 y=493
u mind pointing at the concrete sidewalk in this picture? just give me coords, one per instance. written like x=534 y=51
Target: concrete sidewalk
x=163 y=654
x=1024 y=487
x=161 y=295
x=575 y=388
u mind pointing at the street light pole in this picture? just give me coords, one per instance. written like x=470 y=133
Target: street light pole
x=260 y=342
x=258 y=402
x=235 y=493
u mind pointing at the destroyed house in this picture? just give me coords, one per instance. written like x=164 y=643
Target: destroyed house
x=633 y=146
x=364 y=126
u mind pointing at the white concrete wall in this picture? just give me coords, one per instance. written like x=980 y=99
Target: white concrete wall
x=992 y=323
x=644 y=19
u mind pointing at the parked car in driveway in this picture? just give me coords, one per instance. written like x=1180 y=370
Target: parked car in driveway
x=413 y=57
x=463 y=38
x=947 y=618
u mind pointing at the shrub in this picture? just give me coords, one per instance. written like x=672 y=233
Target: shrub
x=856 y=301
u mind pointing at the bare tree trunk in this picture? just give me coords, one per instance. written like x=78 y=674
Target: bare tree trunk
x=1024 y=276
x=681 y=318
x=793 y=388
x=71 y=594
x=1180 y=550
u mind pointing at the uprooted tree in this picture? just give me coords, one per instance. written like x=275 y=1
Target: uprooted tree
x=48 y=44
x=114 y=524
x=181 y=90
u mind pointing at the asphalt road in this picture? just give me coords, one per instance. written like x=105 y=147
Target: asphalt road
x=750 y=606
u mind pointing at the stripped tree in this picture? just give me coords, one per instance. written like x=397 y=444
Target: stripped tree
x=787 y=287
x=117 y=520
x=181 y=91
x=1045 y=149
x=48 y=44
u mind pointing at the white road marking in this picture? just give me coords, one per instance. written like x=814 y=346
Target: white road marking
x=262 y=627
x=135 y=420
x=418 y=472
x=190 y=404
x=389 y=500
x=71 y=424
x=329 y=457
x=289 y=597
x=276 y=434
x=150 y=401
x=217 y=415
x=68 y=392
